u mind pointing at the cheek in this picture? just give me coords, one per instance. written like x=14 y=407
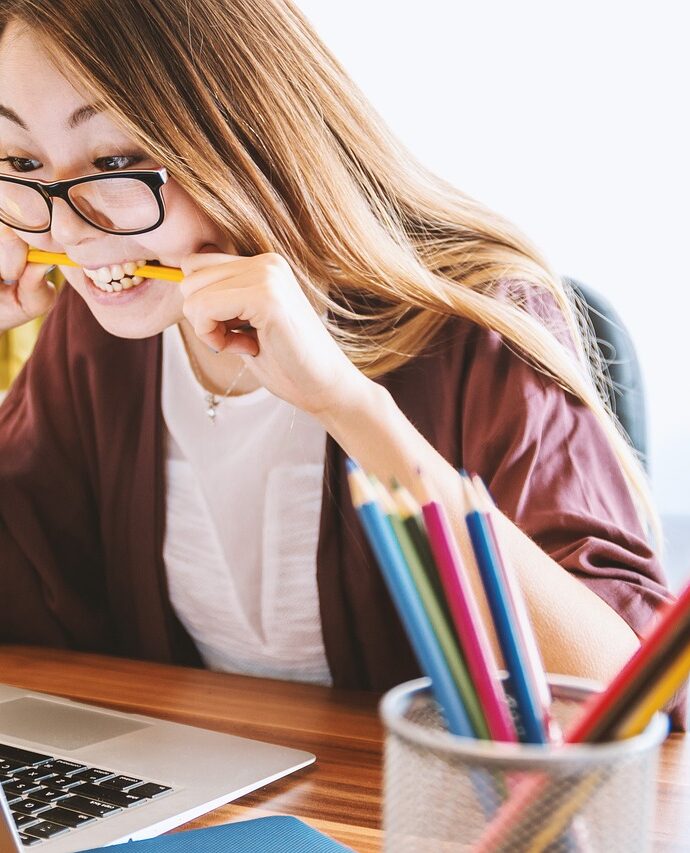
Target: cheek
x=184 y=231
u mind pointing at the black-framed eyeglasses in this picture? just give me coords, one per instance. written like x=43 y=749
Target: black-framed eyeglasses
x=128 y=202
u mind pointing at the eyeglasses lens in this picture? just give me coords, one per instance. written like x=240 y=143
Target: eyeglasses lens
x=118 y=204
x=23 y=207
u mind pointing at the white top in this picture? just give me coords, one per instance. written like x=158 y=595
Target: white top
x=242 y=522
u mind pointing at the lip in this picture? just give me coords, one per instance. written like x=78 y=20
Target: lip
x=109 y=263
x=124 y=297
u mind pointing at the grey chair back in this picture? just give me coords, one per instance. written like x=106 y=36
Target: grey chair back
x=626 y=392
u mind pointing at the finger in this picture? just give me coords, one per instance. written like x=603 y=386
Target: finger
x=221 y=338
x=204 y=259
x=13 y=253
x=241 y=343
x=34 y=292
x=222 y=271
x=207 y=308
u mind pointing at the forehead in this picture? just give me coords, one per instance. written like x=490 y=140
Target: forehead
x=45 y=102
x=29 y=81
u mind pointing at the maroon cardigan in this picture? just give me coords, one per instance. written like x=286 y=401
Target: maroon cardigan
x=82 y=496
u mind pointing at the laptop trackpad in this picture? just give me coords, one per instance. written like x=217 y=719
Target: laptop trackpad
x=61 y=726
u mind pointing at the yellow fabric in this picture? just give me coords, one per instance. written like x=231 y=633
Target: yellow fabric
x=17 y=344
x=15 y=347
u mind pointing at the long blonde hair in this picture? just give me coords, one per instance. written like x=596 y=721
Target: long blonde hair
x=259 y=123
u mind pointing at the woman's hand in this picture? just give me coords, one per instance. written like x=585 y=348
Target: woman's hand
x=293 y=354
x=24 y=291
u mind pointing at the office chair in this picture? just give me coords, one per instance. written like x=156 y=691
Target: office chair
x=626 y=391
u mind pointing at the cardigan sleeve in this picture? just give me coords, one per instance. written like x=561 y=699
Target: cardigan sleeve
x=550 y=468
x=51 y=580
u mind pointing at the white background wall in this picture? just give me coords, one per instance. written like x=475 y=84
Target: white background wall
x=570 y=119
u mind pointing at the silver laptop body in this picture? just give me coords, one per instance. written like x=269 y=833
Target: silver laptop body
x=204 y=769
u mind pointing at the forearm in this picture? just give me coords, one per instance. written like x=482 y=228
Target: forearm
x=578 y=633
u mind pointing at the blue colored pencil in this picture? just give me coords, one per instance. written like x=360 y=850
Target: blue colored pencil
x=505 y=621
x=407 y=602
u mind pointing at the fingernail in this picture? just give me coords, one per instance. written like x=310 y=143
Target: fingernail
x=10 y=282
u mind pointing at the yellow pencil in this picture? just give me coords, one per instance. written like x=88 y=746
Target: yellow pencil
x=656 y=697
x=36 y=256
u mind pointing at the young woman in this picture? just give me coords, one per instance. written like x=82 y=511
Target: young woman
x=172 y=467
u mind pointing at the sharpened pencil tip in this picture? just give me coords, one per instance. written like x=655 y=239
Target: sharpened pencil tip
x=351 y=466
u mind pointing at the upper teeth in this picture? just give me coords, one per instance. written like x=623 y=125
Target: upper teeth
x=117 y=276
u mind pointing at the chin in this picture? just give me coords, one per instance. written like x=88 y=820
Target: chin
x=142 y=312
x=133 y=329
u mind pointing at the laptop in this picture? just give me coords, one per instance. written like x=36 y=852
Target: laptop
x=74 y=776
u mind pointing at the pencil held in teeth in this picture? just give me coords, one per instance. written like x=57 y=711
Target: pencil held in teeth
x=37 y=256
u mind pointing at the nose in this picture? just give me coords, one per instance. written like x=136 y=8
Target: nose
x=67 y=228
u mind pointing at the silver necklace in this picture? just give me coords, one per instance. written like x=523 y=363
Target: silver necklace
x=211 y=400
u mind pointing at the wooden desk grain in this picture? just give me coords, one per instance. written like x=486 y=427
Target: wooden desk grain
x=341 y=793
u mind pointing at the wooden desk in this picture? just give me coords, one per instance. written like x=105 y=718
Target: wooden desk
x=341 y=793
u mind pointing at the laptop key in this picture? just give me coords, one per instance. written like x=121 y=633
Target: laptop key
x=87 y=806
x=13 y=798
x=20 y=789
x=45 y=829
x=65 y=817
x=48 y=795
x=7 y=765
x=61 y=765
x=149 y=790
x=108 y=795
x=32 y=774
x=23 y=819
x=28 y=841
x=16 y=754
x=28 y=806
x=92 y=774
x=59 y=781
x=122 y=783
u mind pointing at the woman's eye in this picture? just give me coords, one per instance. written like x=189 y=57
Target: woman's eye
x=21 y=164
x=119 y=161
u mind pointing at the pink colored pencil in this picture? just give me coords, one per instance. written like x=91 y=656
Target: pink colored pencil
x=467 y=620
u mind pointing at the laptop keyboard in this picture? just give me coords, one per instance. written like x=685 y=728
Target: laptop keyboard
x=51 y=796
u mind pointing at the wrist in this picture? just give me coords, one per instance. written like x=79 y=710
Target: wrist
x=356 y=399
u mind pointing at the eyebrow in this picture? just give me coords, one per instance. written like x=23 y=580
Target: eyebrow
x=79 y=116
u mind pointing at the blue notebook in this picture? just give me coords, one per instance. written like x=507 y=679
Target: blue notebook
x=280 y=834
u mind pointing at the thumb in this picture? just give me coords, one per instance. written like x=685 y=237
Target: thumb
x=34 y=292
x=214 y=255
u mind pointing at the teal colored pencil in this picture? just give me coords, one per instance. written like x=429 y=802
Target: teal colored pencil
x=404 y=595
x=444 y=634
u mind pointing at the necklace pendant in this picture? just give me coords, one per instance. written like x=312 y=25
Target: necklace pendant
x=211 y=404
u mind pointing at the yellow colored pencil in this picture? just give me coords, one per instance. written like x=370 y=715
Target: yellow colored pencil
x=656 y=697
x=37 y=256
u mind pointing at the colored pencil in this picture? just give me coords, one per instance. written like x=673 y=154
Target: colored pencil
x=604 y=712
x=505 y=621
x=38 y=256
x=466 y=618
x=444 y=634
x=662 y=691
x=533 y=660
x=404 y=595
x=411 y=513
x=642 y=687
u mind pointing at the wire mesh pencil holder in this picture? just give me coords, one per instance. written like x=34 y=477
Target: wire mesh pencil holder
x=444 y=793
